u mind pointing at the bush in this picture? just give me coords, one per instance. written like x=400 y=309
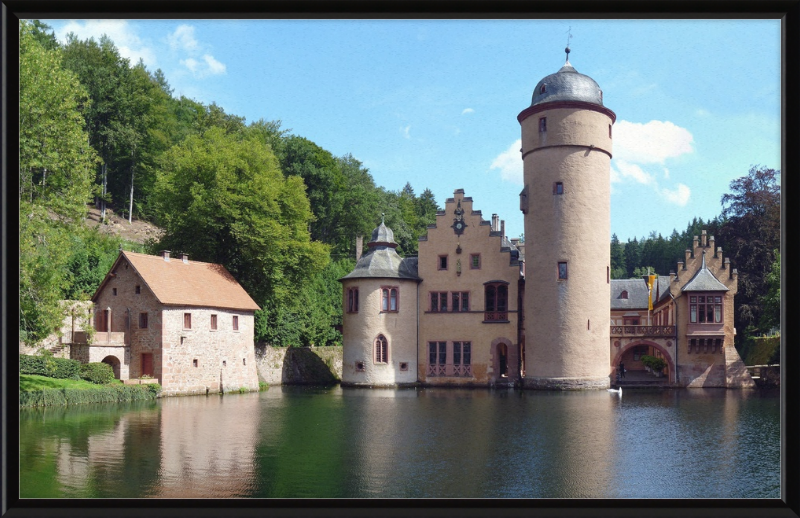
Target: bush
x=71 y=396
x=48 y=366
x=97 y=372
x=654 y=363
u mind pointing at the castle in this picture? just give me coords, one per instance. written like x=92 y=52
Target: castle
x=477 y=309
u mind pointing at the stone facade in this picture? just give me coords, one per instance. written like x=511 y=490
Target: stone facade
x=478 y=262
x=566 y=153
x=299 y=365
x=191 y=348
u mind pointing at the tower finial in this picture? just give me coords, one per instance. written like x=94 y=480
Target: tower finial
x=569 y=37
x=383 y=216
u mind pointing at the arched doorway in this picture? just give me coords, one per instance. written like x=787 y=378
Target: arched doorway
x=630 y=354
x=114 y=362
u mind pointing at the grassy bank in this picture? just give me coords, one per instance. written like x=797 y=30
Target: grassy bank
x=35 y=390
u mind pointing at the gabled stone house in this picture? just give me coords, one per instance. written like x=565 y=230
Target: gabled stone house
x=188 y=324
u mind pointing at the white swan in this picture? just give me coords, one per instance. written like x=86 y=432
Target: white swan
x=618 y=391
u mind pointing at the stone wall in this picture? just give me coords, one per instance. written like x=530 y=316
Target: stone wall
x=298 y=365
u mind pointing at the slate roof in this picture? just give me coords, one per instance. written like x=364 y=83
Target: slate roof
x=192 y=283
x=637 y=294
x=382 y=261
x=704 y=280
x=567 y=85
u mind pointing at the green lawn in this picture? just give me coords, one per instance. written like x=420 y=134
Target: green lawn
x=28 y=382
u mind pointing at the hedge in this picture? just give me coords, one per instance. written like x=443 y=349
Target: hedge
x=105 y=394
x=49 y=366
x=97 y=372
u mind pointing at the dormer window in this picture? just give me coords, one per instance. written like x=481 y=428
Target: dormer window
x=624 y=294
x=542 y=89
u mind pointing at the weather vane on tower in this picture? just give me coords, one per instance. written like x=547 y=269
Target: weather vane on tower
x=569 y=37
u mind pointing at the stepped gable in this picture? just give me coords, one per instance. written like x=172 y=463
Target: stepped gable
x=704 y=280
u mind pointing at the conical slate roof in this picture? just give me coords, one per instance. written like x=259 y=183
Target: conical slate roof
x=382 y=261
x=704 y=280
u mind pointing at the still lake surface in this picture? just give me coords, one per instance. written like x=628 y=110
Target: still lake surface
x=334 y=442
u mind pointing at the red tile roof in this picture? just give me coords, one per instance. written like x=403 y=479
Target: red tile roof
x=192 y=283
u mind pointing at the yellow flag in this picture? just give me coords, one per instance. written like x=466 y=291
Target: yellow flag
x=650 y=291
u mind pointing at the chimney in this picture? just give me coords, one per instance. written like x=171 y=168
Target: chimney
x=711 y=244
x=495 y=226
x=165 y=255
x=703 y=238
x=681 y=266
x=694 y=244
x=185 y=258
x=726 y=263
x=687 y=254
x=503 y=228
x=359 y=247
x=672 y=277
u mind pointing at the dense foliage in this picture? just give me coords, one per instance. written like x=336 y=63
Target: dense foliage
x=100 y=394
x=49 y=366
x=97 y=372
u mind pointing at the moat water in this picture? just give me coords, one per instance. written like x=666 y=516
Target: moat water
x=301 y=442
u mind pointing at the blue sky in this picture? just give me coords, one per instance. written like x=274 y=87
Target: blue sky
x=434 y=102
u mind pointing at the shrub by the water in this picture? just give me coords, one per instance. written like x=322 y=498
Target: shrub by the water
x=97 y=372
x=48 y=366
x=72 y=396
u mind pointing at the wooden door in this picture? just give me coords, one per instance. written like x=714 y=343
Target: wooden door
x=147 y=364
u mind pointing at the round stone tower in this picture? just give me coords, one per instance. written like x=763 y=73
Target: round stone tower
x=379 y=321
x=566 y=153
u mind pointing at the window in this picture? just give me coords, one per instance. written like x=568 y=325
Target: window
x=360 y=366
x=114 y=291
x=235 y=322
x=404 y=366
x=542 y=89
x=194 y=362
x=460 y=300
x=543 y=125
x=389 y=298
x=244 y=361
x=443 y=262
x=462 y=358
x=213 y=322
x=352 y=300
x=438 y=301
x=562 y=271
x=624 y=294
x=609 y=131
x=558 y=188
x=705 y=309
x=381 y=350
x=437 y=358
x=187 y=320
x=142 y=320
x=138 y=290
x=638 y=352
x=496 y=302
x=475 y=261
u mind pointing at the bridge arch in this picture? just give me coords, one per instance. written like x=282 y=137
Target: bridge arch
x=666 y=352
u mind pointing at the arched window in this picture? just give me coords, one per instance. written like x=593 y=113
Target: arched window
x=624 y=294
x=496 y=302
x=542 y=89
x=352 y=300
x=381 y=350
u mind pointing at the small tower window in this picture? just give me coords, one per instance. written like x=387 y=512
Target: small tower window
x=542 y=124
x=543 y=89
x=443 y=262
x=558 y=188
x=624 y=294
x=562 y=271
x=138 y=290
x=609 y=131
x=601 y=96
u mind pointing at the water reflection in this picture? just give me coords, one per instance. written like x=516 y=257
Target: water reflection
x=306 y=442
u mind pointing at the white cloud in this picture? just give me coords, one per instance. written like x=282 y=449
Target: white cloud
x=183 y=39
x=128 y=43
x=650 y=143
x=509 y=162
x=678 y=196
x=626 y=170
x=467 y=111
